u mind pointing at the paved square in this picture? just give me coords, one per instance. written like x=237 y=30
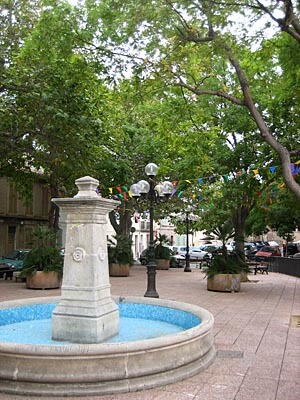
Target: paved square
x=258 y=347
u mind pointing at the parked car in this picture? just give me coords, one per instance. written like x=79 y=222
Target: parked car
x=181 y=250
x=212 y=249
x=266 y=252
x=176 y=260
x=259 y=244
x=173 y=249
x=197 y=254
x=144 y=257
x=12 y=262
x=250 y=251
x=292 y=248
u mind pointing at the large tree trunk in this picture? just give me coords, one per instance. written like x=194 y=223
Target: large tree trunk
x=239 y=221
x=54 y=209
x=265 y=132
x=120 y=219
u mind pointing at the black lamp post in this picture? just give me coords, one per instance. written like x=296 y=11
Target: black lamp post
x=187 y=218
x=148 y=191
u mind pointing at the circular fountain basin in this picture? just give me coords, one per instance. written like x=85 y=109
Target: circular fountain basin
x=112 y=367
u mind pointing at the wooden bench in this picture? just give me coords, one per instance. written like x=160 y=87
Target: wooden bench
x=17 y=276
x=261 y=267
x=6 y=273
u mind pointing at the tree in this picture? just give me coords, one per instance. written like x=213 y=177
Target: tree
x=54 y=116
x=191 y=45
x=284 y=215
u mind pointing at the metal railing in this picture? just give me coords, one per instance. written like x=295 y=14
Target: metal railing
x=285 y=265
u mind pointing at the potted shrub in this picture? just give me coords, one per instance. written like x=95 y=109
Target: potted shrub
x=162 y=253
x=224 y=273
x=43 y=264
x=120 y=256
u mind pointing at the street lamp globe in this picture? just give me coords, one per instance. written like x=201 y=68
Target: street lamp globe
x=159 y=189
x=151 y=169
x=167 y=188
x=144 y=187
x=135 y=190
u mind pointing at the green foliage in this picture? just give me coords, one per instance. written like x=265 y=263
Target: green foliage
x=223 y=232
x=225 y=264
x=44 y=256
x=119 y=251
x=161 y=251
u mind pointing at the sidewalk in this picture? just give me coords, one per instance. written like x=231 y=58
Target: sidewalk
x=258 y=351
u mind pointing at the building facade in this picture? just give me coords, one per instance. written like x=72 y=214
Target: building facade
x=17 y=219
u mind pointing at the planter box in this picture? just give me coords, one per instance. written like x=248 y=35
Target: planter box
x=162 y=264
x=224 y=283
x=119 y=269
x=43 y=280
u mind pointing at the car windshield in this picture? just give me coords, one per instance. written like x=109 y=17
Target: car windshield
x=12 y=256
x=15 y=255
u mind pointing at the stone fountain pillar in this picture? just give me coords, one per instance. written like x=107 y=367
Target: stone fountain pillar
x=86 y=312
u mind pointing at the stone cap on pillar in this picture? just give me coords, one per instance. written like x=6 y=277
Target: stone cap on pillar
x=87 y=187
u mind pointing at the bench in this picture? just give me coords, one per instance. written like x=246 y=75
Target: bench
x=261 y=267
x=17 y=276
x=6 y=273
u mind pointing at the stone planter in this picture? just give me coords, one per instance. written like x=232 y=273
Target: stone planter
x=244 y=276
x=224 y=283
x=43 y=280
x=162 y=263
x=119 y=269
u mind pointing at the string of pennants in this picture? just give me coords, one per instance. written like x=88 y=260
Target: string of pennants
x=124 y=191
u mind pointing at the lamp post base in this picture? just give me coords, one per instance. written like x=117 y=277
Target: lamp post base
x=151 y=289
x=187 y=264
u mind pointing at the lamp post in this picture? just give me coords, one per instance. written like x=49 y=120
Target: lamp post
x=187 y=218
x=148 y=191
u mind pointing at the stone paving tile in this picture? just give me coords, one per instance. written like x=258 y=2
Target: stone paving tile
x=254 y=322
x=258 y=389
x=217 y=391
x=226 y=379
x=288 y=390
x=187 y=387
x=144 y=395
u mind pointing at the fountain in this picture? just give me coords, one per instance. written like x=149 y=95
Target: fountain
x=84 y=361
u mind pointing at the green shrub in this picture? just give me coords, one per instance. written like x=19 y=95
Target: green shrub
x=161 y=251
x=120 y=252
x=229 y=264
x=45 y=255
x=43 y=258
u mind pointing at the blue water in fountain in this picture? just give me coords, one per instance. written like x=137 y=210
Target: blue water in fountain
x=32 y=324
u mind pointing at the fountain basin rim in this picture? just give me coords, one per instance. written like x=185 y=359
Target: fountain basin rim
x=206 y=325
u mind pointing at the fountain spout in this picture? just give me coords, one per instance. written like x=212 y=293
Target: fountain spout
x=86 y=312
